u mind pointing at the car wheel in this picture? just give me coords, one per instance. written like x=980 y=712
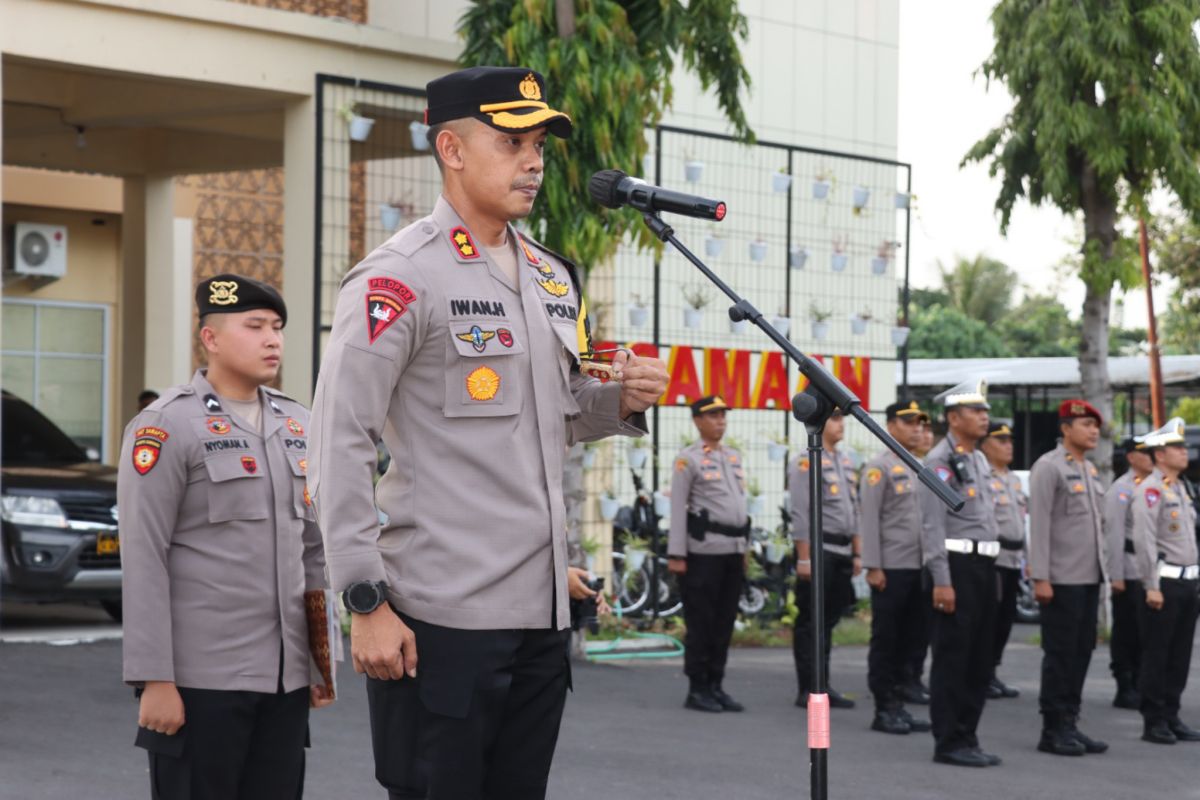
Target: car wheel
x=112 y=608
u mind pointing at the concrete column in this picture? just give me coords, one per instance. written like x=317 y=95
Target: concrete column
x=299 y=196
x=130 y=347
x=168 y=287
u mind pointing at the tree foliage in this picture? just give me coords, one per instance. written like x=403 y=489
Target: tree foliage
x=941 y=332
x=1177 y=251
x=981 y=288
x=612 y=75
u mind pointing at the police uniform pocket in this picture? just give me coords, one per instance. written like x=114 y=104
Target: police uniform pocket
x=237 y=491
x=301 y=498
x=481 y=372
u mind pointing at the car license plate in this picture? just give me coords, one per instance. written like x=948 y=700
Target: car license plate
x=107 y=544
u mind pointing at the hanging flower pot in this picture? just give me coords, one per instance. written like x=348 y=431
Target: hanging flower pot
x=738 y=326
x=901 y=200
x=638 y=457
x=589 y=458
x=638 y=316
x=692 y=170
x=858 y=325
x=758 y=250
x=662 y=504
x=692 y=317
x=713 y=245
x=609 y=506
x=781 y=182
x=797 y=256
x=775 y=552
x=756 y=504
x=839 y=261
x=360 y=127
x=634 y=560
x=390 y=217
x=777 y=451
x=820 y=189
x=861 y=195
x=900 y=335
x=781 y=324
x=879 y=265
x=820 y=330
x=419 y=132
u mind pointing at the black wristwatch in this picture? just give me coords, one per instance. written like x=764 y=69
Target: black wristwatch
x=363 y=597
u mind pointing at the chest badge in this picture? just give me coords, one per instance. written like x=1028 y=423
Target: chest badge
x=249 y=464
x=873 y=476
x=483 y=384
x=217 y=425
x=295 y=427
x=479 y=338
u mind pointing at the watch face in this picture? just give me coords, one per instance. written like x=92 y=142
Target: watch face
x=364 y=597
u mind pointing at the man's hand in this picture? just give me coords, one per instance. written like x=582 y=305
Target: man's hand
x=382 y=646
x=677 y=566
x=876 y=579
x=1154 y=599
x=643 y=381
x=161 y=708
x=856 y=566
x=1043 y=592
x=804 y=570
x=319 y=696
x=1118 y=587
x=577 y=588
x=943 y=599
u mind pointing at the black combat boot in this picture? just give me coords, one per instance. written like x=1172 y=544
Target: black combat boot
x=838 y=700
x=1158 y=732
x=914 y=693
x=1090 y=745
x=726 y=702
x=917 y=725
x=1127 y=694
x=700 y=698
x=1056 y=739
x=888 y=720
x=1183 y=732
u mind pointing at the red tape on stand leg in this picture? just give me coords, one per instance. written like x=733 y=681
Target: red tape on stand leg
x=818 y=722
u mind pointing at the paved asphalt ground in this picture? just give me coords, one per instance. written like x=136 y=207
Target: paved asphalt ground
x=67 y=726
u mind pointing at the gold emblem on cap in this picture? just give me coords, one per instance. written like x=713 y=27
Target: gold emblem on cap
x=530 y=89
x=223 y=293
x=1077 y=408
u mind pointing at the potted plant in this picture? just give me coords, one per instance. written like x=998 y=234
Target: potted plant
x=821 y=185
x=777 y=447
x=797 y=256
x=776 y=548
x=781 y=322
x=662 y=504
x=635 y=554
x=755 y=502
x=820 y=321
x=781 y=181
x=590 y=548
x=393 y=212
x=692 y=168
x=609 y=505
x=696 y=299
x=713 y=244
x=861 y=196
x=879 y=264
x=858 y=322
x=419 y=133
x=739 y=325
x=639 y=315
x=360 y=126
x=758 y=250
x=639 y=453
x=900 y=335
x=902 y=200
x=840 y=258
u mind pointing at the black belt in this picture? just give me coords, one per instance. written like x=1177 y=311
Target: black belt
x=1012 y=544
x=698 y=525
x=838 y=539
x=1129 y=547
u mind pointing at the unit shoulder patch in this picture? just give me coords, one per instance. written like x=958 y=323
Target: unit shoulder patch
x=147 y=446
x=387 y=300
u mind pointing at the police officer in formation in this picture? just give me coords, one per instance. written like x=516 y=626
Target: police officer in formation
x=842 y=553
x=1128 y=596
x=1164 y=544
x=219 y=548
x=706 y=549
x=1067 y=563
x=959 y=550
x=890 y=527
x=1010 y=502
x=912 y=689
x=458 y=343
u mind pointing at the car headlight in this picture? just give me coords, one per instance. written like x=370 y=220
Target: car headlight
x=29 y=509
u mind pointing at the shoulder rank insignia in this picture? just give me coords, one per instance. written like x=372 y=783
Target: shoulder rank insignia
x=479 y=338
x=681 y=464
x=274 y=406
x=802 y=464
x=147 y=445
x=460 y=237
x=212 y=403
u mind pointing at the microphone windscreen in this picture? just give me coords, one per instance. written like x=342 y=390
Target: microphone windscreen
x=603 y=187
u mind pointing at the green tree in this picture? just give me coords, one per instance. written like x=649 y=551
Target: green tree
x=608 y=64
x=1104 y=109
x=1177 y=255
x=940 y=332
x=1189 y=409
x=1039 y=327
x=981 y=287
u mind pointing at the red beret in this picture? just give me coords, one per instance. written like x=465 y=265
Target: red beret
x=1075 y=409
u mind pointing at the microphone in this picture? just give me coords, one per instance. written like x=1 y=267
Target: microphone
x=612 y=188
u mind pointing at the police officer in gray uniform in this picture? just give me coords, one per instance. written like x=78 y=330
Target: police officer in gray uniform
x=960 y=549
x=1128 y=596
x=890 y=526
x=1166 y=552
x=706 y=547
x=842 y=549
x=1010 y=501
x=458 y=342
x=219 y=546
x=1067 y=562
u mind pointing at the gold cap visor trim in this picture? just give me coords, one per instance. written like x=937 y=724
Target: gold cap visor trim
x=521 y=122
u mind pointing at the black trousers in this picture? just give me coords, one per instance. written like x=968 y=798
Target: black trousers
x=917 y=648
x=1167 y=636
x=711 y=589
x=232 y=746
x=839 y=595
x=1009 y=579
x=962 y=653
x=1124 y=644
x=480 y=720
x=1068 y=639
x=899 y=615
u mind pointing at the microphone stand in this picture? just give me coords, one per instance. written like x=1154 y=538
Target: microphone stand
x=811 y=407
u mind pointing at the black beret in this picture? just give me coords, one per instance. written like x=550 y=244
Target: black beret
x=229 y=293
x=509 y=99
x=710 y=403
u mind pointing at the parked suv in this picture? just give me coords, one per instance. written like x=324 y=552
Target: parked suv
x=59 y=539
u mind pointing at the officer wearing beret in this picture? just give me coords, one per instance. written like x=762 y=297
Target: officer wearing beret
x=960 y=549
x=458 y=344
x=1166 y=552
x=1128 y=596
x=890 y=526
x=219 y=546
x=1010 y=502
x=706 y=547
x=842 y=550
x=1067 y=561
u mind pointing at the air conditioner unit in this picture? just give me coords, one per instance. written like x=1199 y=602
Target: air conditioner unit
x=39 y=251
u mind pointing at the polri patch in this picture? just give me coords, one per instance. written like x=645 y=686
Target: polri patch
x=504 y=336
x=874 y=475
x=1152 y=497
x=681 y=464
x=294 y=426
x=944 y=473
x=460 y=237
x=217 y=425
x=387 y=300
x=147 y=446
x=249 y=464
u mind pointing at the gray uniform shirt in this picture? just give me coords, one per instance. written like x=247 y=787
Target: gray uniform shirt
x=839 y=512
x=218 y=543
x=1066 y=534
x=712 y=480
x=1010 y=509
x=1164 y=527
x=1118 y=528
x=467 y=378
x=889 y=514
x=976 y=520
